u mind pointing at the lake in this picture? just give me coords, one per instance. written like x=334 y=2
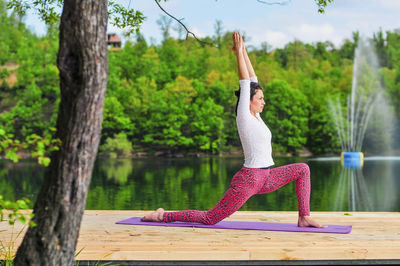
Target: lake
x=198 y=183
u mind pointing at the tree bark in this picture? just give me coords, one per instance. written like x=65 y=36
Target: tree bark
x=82 y=61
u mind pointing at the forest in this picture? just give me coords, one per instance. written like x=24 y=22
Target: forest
x=177 y=98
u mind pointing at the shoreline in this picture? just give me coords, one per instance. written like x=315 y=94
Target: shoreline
x=232 y=152
x=228 y=153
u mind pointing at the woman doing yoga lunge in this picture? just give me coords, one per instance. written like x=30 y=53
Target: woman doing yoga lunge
x=256 y=176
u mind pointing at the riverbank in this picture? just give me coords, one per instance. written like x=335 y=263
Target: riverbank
x=229 y=152
x=233 y=151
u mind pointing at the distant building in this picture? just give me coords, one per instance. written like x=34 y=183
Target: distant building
x=113 y=41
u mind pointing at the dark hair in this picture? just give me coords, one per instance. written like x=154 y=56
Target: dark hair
x=254 y=86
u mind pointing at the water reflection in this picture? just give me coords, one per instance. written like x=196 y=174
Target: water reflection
x=198 y=183
x=117 y=170
x=353 y=191
x=371 y=188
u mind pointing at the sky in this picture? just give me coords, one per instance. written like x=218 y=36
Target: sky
x=272 y=23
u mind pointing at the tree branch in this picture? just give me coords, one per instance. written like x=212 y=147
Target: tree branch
x=183 y=25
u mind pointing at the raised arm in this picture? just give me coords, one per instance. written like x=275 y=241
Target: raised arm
x=243 y=104
x=238 y=47
x=249 y=67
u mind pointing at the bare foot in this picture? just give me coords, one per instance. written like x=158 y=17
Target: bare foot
x=307 y=221
x=156 y=216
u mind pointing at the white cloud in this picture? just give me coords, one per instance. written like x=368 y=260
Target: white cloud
x=313 y=33
x=395 y=4
x=274 y=38
x=308 y=33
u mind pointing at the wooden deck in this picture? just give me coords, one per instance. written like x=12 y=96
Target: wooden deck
x=374 y=236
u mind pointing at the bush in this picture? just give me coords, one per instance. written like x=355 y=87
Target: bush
x=118 y=146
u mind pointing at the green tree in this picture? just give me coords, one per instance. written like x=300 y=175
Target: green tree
x=287 y=116
x=206 y=125
x=321 y=138
x=115 y=120
x=381 y=48
x=119 y=146
x=393 y=49
x=168 y=125
x=348 y=48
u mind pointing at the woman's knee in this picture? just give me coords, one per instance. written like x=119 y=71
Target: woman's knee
x=210 y=219
x=304 y=169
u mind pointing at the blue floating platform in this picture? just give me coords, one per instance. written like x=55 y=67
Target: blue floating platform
x=352 y=160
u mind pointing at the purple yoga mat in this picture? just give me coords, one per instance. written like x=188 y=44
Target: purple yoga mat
x=339 y=229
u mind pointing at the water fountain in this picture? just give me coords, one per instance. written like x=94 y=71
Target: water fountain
x=366 y=100
x=366 y=103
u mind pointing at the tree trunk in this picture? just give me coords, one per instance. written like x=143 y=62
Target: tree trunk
x=82 y=61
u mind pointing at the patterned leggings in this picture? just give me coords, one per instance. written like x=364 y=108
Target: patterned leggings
x=246 y=183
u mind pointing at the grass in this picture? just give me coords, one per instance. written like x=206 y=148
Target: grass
x=7 y=252
x=96 y=263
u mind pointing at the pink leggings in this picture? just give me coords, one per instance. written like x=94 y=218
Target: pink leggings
x=246 y=183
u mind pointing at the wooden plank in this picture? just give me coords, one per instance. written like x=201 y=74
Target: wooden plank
x=167 y=255
x=324 y=253
x=374 y=236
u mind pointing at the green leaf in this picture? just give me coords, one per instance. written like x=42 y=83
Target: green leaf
x=22 y=219
x=45 y=161
x=32 y=224
x=22 y=204
x=12 y=156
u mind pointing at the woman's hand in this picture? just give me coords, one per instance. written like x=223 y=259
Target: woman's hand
x=238 y=48
x=237 y=42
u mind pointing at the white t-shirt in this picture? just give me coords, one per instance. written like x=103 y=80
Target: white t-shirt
x=254 y=134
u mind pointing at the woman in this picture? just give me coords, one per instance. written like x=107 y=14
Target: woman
x=256 y=176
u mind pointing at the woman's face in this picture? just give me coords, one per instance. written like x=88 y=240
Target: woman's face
x=257 y=103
